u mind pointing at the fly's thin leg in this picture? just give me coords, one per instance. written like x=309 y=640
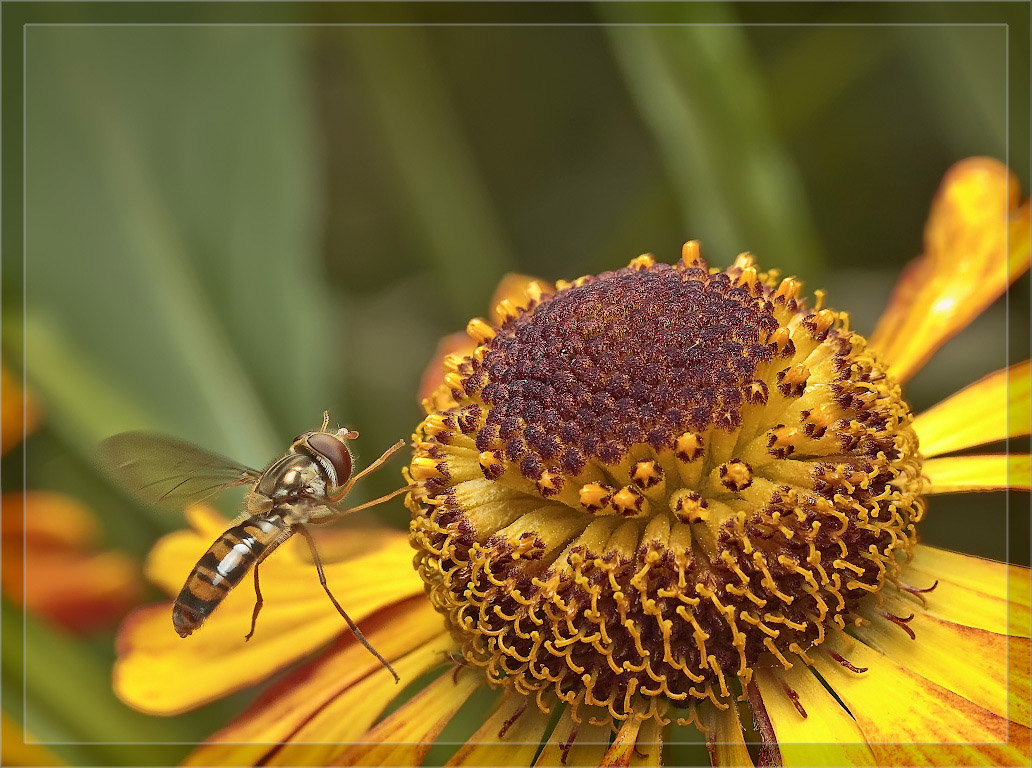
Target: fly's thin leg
x=258 y=602
x=325 y=421
x=380 y=500
x=375 y=465
x=341 y=611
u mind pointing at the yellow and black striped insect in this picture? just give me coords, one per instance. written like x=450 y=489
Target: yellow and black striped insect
x=306 y=485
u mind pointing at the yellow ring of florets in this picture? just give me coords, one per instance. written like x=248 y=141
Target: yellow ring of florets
x=641 y=486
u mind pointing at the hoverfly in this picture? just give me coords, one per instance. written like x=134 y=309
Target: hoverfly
x=305 y=485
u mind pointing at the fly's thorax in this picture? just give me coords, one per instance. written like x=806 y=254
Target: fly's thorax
x=293 y=477
x=642 y=486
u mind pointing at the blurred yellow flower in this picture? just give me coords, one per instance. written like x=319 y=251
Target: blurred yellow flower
x=658 y=497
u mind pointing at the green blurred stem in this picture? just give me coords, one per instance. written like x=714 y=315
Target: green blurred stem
x=438 y=182
x=699 y=92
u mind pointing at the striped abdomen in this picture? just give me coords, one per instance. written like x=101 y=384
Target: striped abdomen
x=222 y=567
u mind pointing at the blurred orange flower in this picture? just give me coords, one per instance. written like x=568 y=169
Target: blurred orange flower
x=50 y=565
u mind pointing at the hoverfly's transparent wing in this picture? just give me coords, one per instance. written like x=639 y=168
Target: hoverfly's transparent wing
x=170 y=473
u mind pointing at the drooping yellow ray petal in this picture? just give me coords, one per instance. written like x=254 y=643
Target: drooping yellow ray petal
x=724 y=738
x=970 y=662
x=976 y=244
x=406 y=736
x=959 y=474
x=347 y=718
x=573 y=744
x=159 y=672
x=510 y=736
x=895 y=705
x=971 y=590
x=993 y=408
x=622 y=749
x=827 y=735
x=344 y=685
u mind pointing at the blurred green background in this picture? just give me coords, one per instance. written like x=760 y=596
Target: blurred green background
x=229 y=229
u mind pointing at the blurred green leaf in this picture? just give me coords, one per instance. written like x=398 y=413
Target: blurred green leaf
x=964 y=65
x=68 y=698
x=171 y=228
x=438 y=184
x=702 y=96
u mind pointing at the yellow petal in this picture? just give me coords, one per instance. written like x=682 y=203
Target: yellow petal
x=510 y=736
x=159 y=672
x=959 y=474
x=827 y=735
x=406 y=736
x=339 y=694
x=573 y=744
x=993 y=408
x=346 y=720
x=966 y=264
x=971 y=590
x=724 y=738
x=892 y=704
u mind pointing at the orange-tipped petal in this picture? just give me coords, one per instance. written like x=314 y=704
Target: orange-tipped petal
x=510 y=736
x=976 y=244
x=945 y=653
x=335 y=698
x=406 y=736
x=960 y=474
x=574 y=744
x=993 y=408
x=812 y=728
x=898 y=706
x=19 y=413
x=161 y=673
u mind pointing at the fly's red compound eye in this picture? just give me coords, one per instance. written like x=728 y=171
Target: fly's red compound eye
x=334 y=451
